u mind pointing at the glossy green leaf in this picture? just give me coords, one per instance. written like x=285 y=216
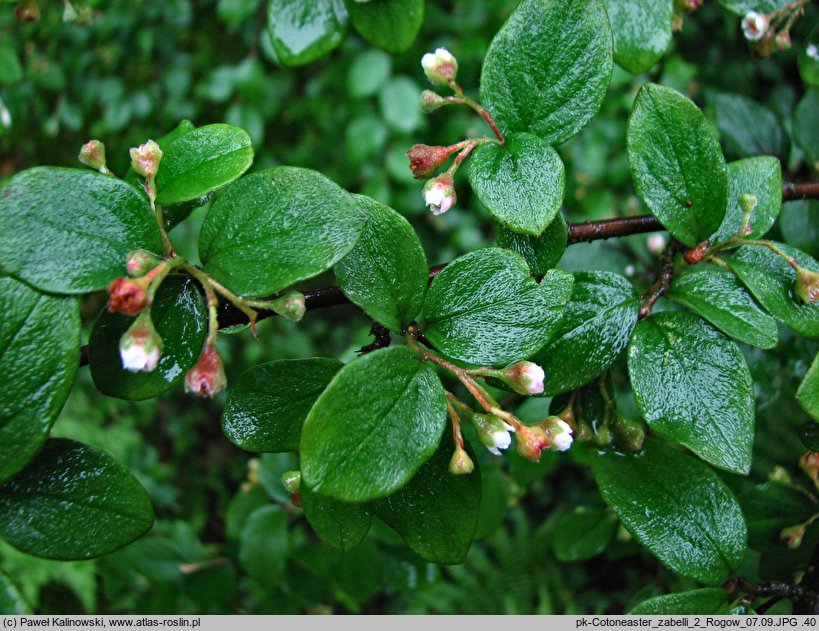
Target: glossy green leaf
x=339 y=524
x=180 y=318
x=267 y=405
x=437 y=512
x=709 y=600
x=747 y=128
x=677 y=163
x=386 y=272
x=693 y=387
x=762 y=178
x=301 y=32
x=39 y=356
x=677 y=507
x=263 y=545
x=377 y=422
x=808 y=393
x=388 y=24
x=806 y=127
x=540 y=253
x=771 y=280
x=483 y=308
x=771 y=507
x=73 y=502
x=799 y=223
x=719 y=297
x=276 y=227
x=641 y=31
x=520 y=182
x=201 y=161
x=595 y=328
x=90 y=222
x=583 y=535
x=548 y=68
x=12 y=602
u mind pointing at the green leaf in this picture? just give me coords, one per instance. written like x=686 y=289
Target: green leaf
x=641 y=30
x=808 y=393
x=747 y=128
x=437 y=512
x=799 y=223
x=73 y=502
x=520 y=182
x=540 y=253
x=39 y=357
x=808 y=60
x=400 y=107
x=386 y=272
x=180 y=318
x=709 y=600
x=806 y=127
x=266 y=408
x=761 y=177
x=90 y=222
x=339 y=524
x=677 y=507
x=200 y=161
x=377 y=422
x=719 y=297
x=12 y=602
x=276 y=227
x=771 y=280
x=742 y=7
x=595 y=328
x=548 y=68
x=677 y=163
x=388 y=24
x=483 y=308
x=263 y=545
x=771 y=507
x=583 y=534
x=11 y=71
x=301 y=32
x=693 y=387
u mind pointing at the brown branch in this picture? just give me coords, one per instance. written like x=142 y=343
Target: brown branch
x=659 y=288
x=799 y=190
x=589 y=231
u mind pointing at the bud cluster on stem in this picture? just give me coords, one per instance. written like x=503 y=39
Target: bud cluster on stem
x=767 y=32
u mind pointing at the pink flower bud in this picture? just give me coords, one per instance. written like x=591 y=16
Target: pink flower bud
x=431 y=101
x=145 y=159
x=140 y=262
x=492 y=432
x=783 y=40
x=687 y=6
x=127 y=296
x=532 y=440
x=441 y=67
x=425 y=160
x=656 y=243
x=439 y=194
x=792 y=537
x=806 y=287
x=559 y=433
x=755 y=25
x=809 y=463
x=207 y=377
x=92 y=154
x=27 y=11
x=141 y=347
x=524 y=377
x=461 y=463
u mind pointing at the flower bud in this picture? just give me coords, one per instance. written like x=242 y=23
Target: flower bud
x=656 y=243
x=92 y=154
x=755 y=25
x=140 y=262
x=141 y=347
x=291 y=481
x=792 y=536
x=533 y=439
x=291 y=306
x=425 y=160
x=783 y=40
x=430 y=101
x=461 y=463
x=207 y=377
x=492 y=432
x=27 y=11
x=629 y=433
x=441 y=67
x=687 y=6
x=748 y=202
x=559 y=433
x=439 y=194
x=806 y=286
x=524 y=377
x=809 y=463
x=127 y=296
x=145 y=159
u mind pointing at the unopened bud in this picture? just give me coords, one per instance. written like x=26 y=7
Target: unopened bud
x=492 y=432
x=461 y=463
x=656 y=243
x=806 y=286
x=792 y=536
x=629 y=433
x=783 y=40
x=524 y=377
x=430 y=101
x=755 y=25
x=696 y=254
x=687 y=6
x=533 y=439
x=145 y=159
x=764 y=47
x=559 y=433
x=141 y=347
x=291 y=306
x=207 y=377
x=425 y=160
x=92 y=154
x=291 y=481
x=809 y=463
x=27 y=11
x=127 y=296
x=140 y=262
x=748 y=202
x=439 y=194
x=441 y=67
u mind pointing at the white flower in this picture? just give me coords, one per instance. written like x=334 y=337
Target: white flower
x=440 y=67
x=501 y=440
x=532 y=378
x=139 y=356
x=630 y=270
x=439 y=194
x=656 y=243
x=754 y=26
x=812 y=51
x=561 y=436
x=492 y=432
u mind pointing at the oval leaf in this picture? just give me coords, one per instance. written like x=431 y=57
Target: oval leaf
x=200 y=161
x=73 y=502
x=747 y=128
x=263 y=545
x=92 y=221
x=339 y=524
x=799 y=223
x=386 y=272
x=693 y=387
x=641 y=30
x=39 y=357
x=583 y=535
x=709 y=600
x=595 y=328
x=808 y=393
x=677 y=164
x=180 y=319
x=483 y=308
x=377 y=422
x=520 y=182
x=540 y=253
x=266 y=408
x=276 y=227
x=548 y=68
x=301 y=32
x=806 y=127
x=677 y=507
x=388 y=24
